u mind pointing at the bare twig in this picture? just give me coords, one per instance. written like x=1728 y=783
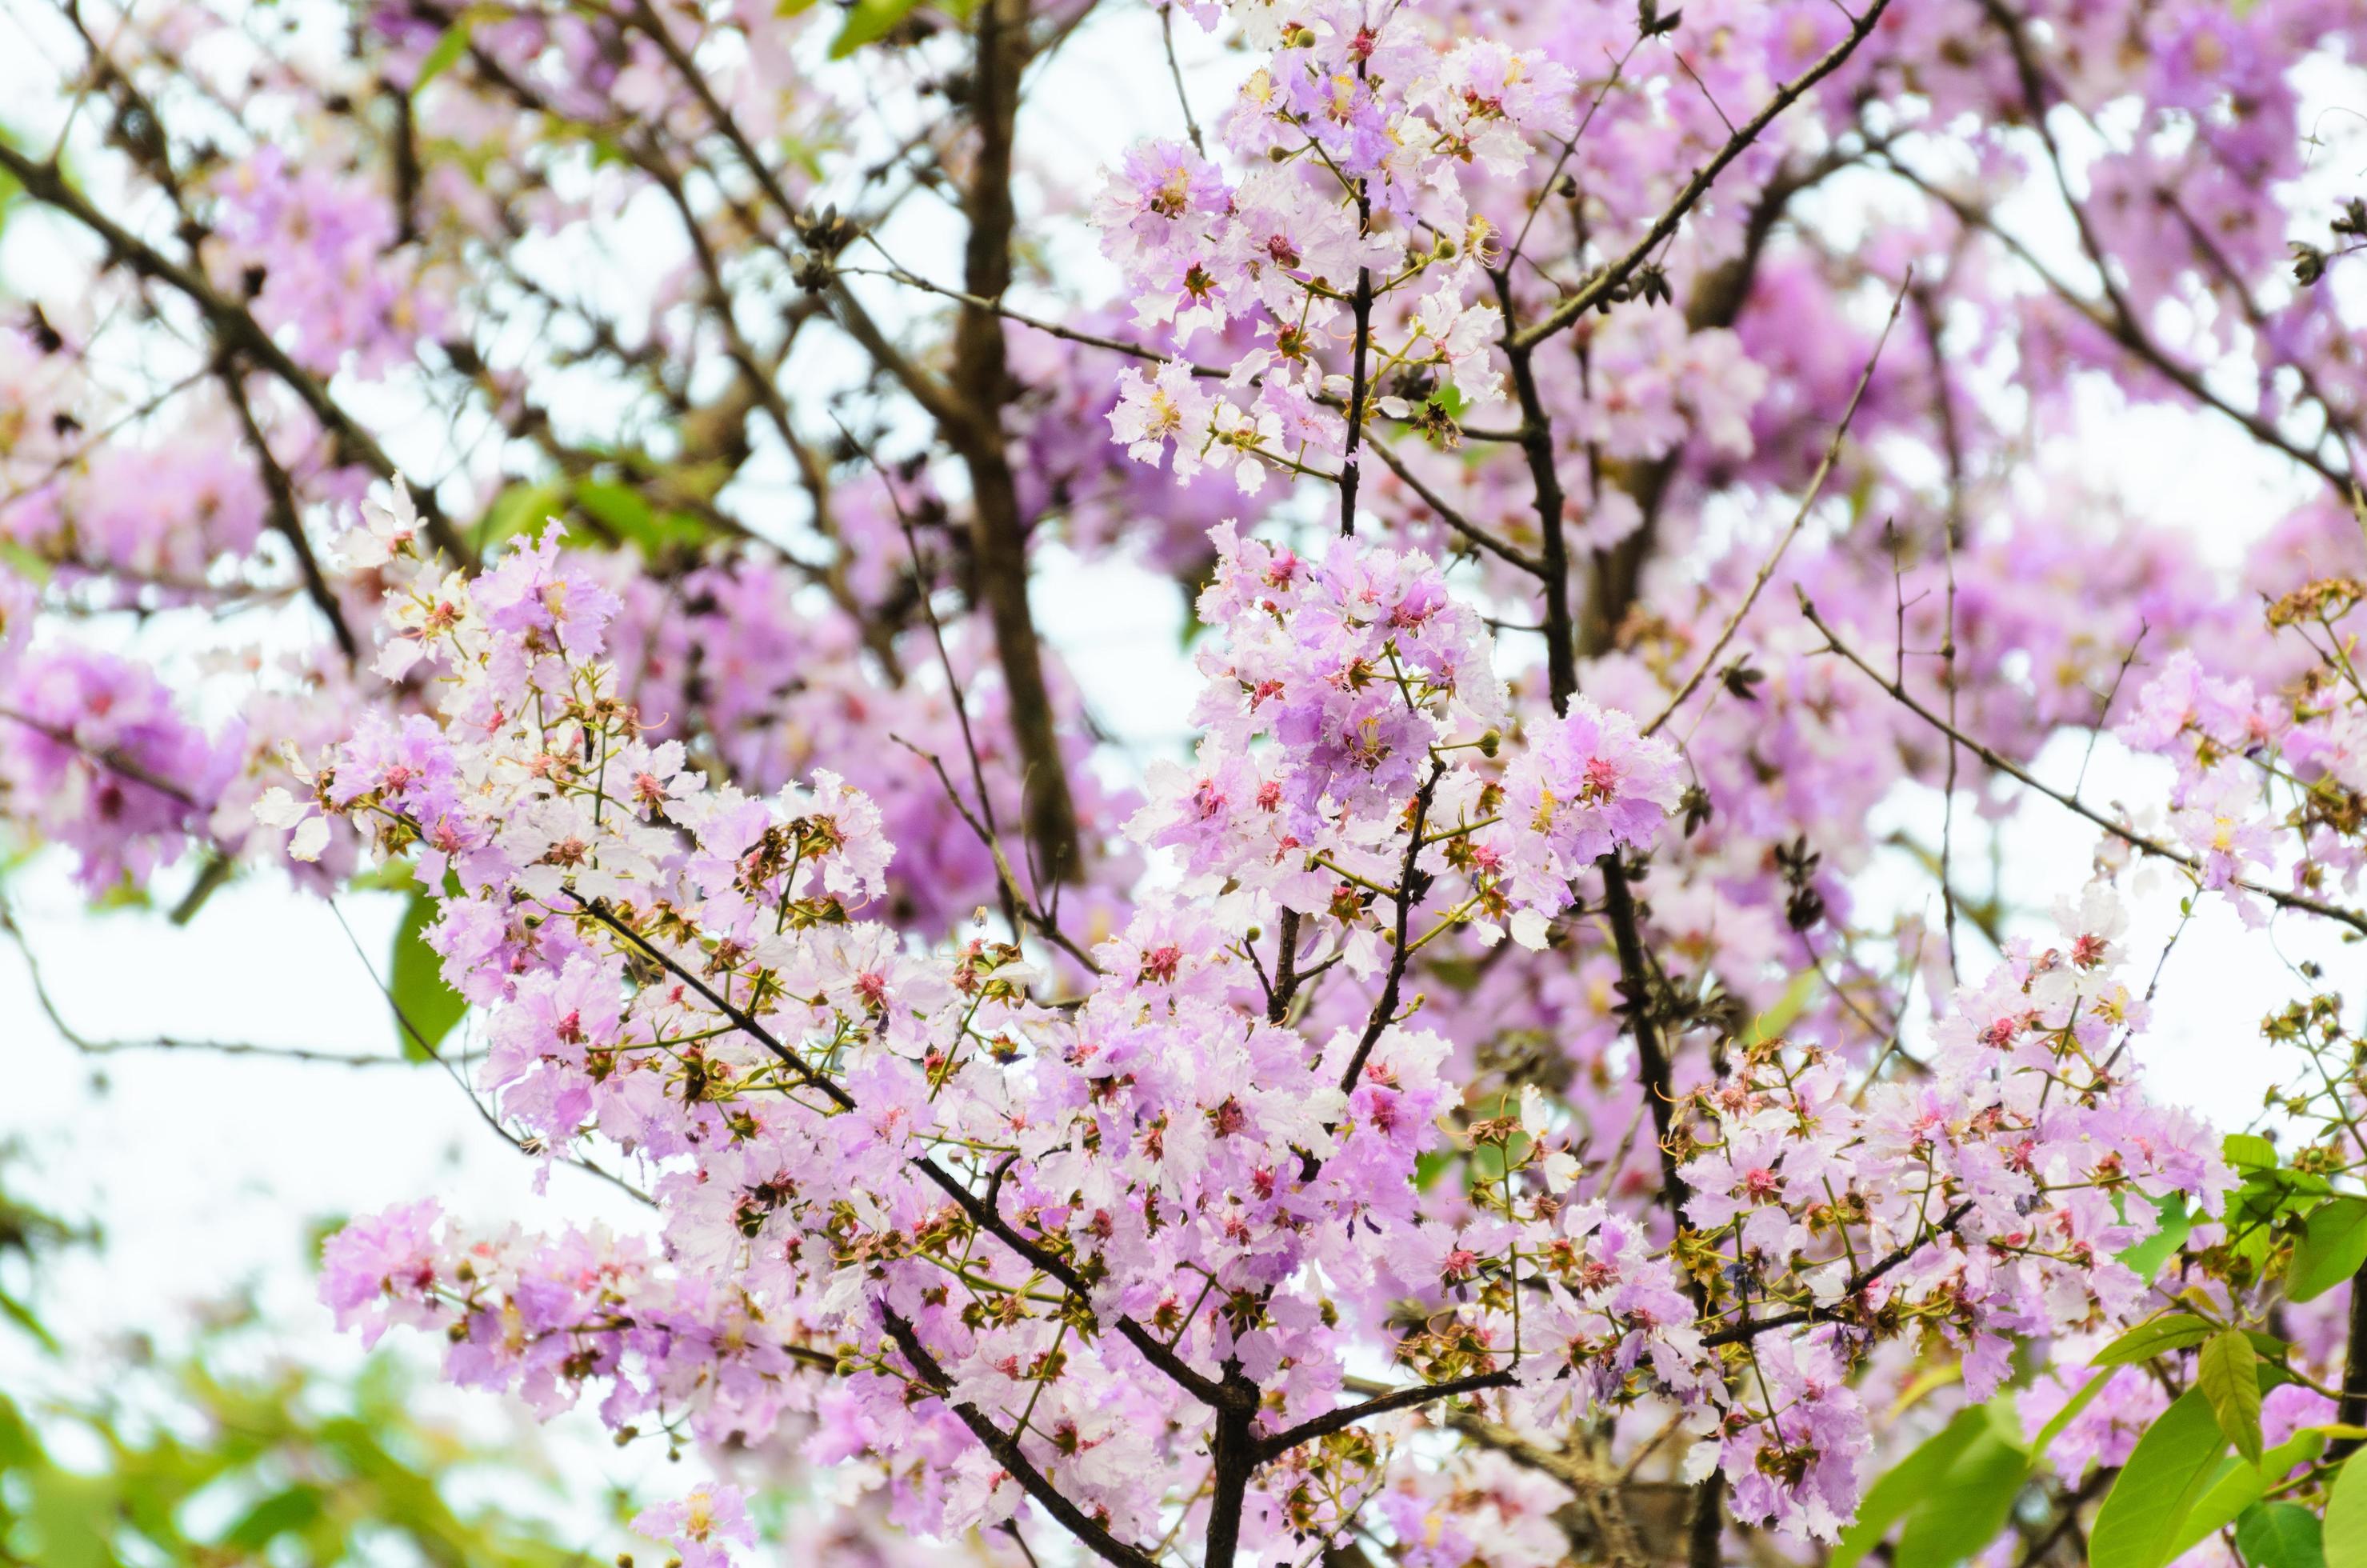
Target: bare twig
x=1808 y=502
x=1599 y=288
x=233 y=326
x=2140 y=842
x=1346 y=1416
x=1446 y=513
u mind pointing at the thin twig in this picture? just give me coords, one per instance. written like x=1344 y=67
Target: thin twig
x=1743 y=1333
x=428 y=1049
x=2129 y=835
x=89 y=1047
x=1446 y=513
x=1599 y=288
x=1808 y=502
x=1175 y=74
x=1380 y=1404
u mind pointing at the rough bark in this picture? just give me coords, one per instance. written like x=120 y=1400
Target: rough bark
x=981 y=387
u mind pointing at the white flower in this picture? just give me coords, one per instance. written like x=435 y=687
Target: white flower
x=389 y=529
x=276 y=808
x=1153 y=410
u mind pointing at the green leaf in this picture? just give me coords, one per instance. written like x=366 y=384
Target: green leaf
x=1943 y=1488
x=625 y=513
x=1907 y=1483
x=69 y=1516
x=1964 y=1511
x=2332 y=1248
x=275 y=1516
x=19 y=1447
x=2166 y=1475
x=387 y=875
x=2157 y=1337
x=520 y=509
x=618 y=506
x=423 y=1003
x=1787 y=1010
x=448 y=49
x=2249 y=1148
x=2147 y=1257
x=2236 y=1486
x=866 y=22
x=2229 y=1374
x=2280 y=1535
x=20 y=1314
x=2345 y=1517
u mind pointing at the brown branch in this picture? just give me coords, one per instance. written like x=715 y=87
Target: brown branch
x=1601 y=1490
x=87 y=1046
x=2129 y=835
x=1717 y=301
x=646 y=17
x=1408 y=892
x=1176 y=74
x=111 y=760
x=2351 y=1409
x=982 y=386
x=828 y=1088
x=1286 y=968
x=1815 y=488
x=1017 y=906
x=286 y=518
x=1751 y=1328
x=981 y=1214
x=233 y=326
x=530 y=1148
x=1652 y=1056
x=1005 y=1448
x=1952 y=446
x=1360 y=346
x=2127 y=333
x=1599 y=288
x=1037 y=323
x=1340 y=1420
x=1553 y=553
x=1446 y=513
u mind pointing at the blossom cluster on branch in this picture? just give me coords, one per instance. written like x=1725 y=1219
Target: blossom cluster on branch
x=1477 y=1096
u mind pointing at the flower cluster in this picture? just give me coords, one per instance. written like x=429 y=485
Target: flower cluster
x=313 y=252
x=1351 y=139
x=890 y=1173
x=1101 y=1154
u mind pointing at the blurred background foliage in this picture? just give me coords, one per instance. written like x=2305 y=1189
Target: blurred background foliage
x=226 y=1452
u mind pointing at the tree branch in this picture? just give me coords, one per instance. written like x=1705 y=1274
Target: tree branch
x=2129 y=835
x=1201 y=1386
x=286 y=518
x=232 y=325
x=1815 y=488
x=982 y=382
x=1340 y=1420
x=1599 y=288
x=1751 y=1328
x=1007 y=1452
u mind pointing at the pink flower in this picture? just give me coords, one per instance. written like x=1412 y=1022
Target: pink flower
x=702 y=1526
